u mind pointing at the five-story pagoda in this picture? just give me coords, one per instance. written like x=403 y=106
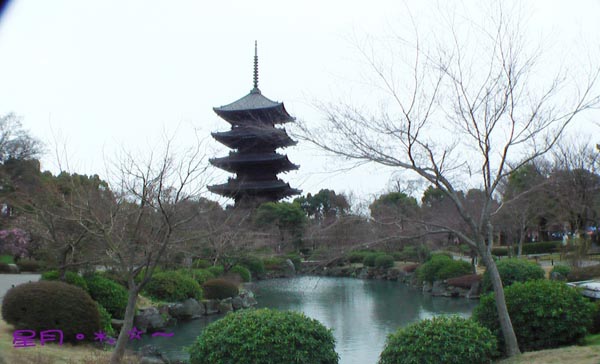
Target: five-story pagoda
x=254 y=138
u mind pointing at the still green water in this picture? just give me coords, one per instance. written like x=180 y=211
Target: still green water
x=361 y=312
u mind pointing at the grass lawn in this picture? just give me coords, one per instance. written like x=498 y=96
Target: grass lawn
x=50 y=353
x=589 y=354
x=6 y=259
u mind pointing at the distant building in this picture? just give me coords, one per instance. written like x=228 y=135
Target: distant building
x=254 y=139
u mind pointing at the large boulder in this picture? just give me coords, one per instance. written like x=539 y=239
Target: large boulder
x=212 y=306
x=149 y=320
x=237 y=303
x=289 y=270
x=188 y=309
x=225 y=305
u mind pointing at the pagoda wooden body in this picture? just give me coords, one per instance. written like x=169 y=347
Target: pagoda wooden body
x=254 y=138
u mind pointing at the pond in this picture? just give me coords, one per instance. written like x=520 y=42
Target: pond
x=361 y=312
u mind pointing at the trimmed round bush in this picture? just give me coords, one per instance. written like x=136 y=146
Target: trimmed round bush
x=105 y=320
x=242 y=271
x=4 y=268
x=440 y=267
x=544 y=314
x=48 y=305
x=111 y=295
x=356 y=256
x=254 y=264
x=264 y=337
x=219 y=289
x=173 y=286
x=384 y=261
x=442 y=339
x=369 y=259
x=199 y=275
x=560 y=272
x=216 y=270
x=513 y=270
x=71 y=278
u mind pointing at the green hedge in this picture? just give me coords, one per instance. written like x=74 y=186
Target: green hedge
x=199 y=275
x=384 y=261
x=243 y=272
x=513 y=270
x=105 y=320
x=173 y=286
x=111 y=295
x=254 y=264
x=70 y=278
x=273 y=263
x=48 y=305
x=560 y=271
x=264 y=337
x=29 y=265
x=440 y=267
x=545 y=314
x=369 y=259
x=442 y=339
x=357 y=256
x=544 y=247
x=201 y=264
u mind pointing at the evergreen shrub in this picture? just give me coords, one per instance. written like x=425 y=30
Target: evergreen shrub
x=199 y=275
x=296 y=260
x=243 y=272
x=105 y=320
x=254 y=264
x=216 y=270
x=442 y=339
x=544 y=247
x=561 y=270
x=544 y=314
x=4 y=268
x=219 y=289
x=111 y=295
x=264 y=337
x=384 y=261
x=70 y=278
x=440 y=267
x=357 y=256
x=173 y=286
x=201 y=264
x=513 y=270
x=28 y=265
x=48 y=305
x=369 y=259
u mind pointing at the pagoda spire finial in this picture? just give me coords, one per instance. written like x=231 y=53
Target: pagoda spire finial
x=256 y=67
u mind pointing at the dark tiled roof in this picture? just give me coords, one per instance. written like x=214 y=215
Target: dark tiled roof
x=254 y=107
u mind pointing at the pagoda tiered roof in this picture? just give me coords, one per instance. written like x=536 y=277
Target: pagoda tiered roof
x=252 y=108
x=235 y=188
x=250 y=135
x=267 y=161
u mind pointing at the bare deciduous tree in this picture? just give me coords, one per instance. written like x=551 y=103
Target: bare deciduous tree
x=462 y=110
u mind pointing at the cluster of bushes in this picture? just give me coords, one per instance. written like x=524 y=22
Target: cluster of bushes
x=560 y=272
x=29 y=265
x=513 y=270
x=265 y=336
x=441 y=267
x=242 y=271
x=219 y=289
x=254 y=264
x=411 y=253
x=544 y=314
x=173 y=286
x=273 y=263
x=41 y=305
x=4 y=268
x=378 y=260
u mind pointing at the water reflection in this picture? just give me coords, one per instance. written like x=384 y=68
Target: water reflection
x=361 y=313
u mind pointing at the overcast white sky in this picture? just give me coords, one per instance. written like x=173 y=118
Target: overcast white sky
x=103 y=74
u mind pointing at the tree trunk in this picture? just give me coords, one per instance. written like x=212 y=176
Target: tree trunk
x=520 y=247
x=119 y=352
x=510 y=339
